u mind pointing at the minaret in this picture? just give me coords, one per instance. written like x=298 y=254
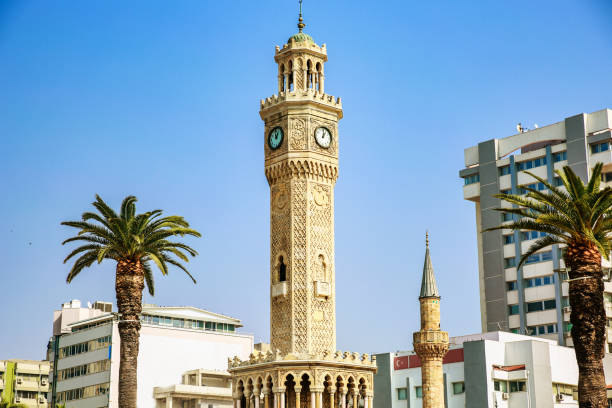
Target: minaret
x=300 y=141
x=430 y=343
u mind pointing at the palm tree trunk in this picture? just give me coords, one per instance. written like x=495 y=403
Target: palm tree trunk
x=129 y=284
x=588 y=318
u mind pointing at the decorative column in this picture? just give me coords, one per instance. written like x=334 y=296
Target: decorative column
x=247 y=396
x=313 y=399
x=321 y=82
x=332 y=392
x=319 y=394
x=298 y=391
x=169 y=401
x=282 y=399
x=256 y=392
x=306 y=79
x=342 y=398
x=355 y=398
x=266 y=394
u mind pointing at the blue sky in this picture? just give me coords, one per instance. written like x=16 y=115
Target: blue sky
x=160 y=99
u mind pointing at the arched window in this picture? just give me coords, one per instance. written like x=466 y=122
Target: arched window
x=290 y=77
x=309 y=75
x=282 y=270
x=319 y=74
x=282 y=78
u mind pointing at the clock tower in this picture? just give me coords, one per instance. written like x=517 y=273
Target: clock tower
x=301 y=166
x=300 y=140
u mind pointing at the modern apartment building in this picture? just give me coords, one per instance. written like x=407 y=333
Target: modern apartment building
x=533 y=299
x=85 y=356
x=24 y=382
x=489 y=370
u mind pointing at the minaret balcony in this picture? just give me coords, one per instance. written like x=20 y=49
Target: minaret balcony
x=430 y=336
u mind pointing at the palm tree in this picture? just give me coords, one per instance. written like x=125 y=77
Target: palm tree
x=580 y=218
x=133 y=241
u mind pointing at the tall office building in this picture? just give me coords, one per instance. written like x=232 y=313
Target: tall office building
x=533 y=299
x=84 y=354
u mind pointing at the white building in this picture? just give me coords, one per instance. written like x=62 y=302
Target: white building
x=85 y=359
x=198 y=389
x=534 y=298
x=492 y=370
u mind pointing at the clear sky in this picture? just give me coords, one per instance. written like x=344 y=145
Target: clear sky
x=160 y=99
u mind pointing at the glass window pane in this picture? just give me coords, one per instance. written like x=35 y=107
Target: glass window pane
x=418 y=392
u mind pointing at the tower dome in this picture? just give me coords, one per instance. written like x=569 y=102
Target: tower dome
x=300 y=37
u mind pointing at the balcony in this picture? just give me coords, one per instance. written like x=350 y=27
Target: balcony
x=430 y=336
x=279 y=289
x=322 y=289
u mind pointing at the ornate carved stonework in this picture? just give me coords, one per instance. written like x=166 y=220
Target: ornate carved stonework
x=297 y=134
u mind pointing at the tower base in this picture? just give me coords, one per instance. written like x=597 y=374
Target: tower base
x=330 y=380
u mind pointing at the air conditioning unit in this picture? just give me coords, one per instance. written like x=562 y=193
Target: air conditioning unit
x=559 y=397
x=567 y=309
x=505 y=395
x=19 y=380
x=42 y=399
x=43 y=382
x=18 y=399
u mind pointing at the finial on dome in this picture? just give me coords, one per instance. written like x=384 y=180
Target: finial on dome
x=427 y=238
x=301 y=24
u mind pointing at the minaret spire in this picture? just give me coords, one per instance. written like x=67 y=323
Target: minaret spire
x=429 y=288
x=301 y=24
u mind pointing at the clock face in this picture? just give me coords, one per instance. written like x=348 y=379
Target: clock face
x=323 y=137
x=275 y=138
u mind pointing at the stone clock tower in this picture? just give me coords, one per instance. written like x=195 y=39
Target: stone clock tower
x=301 y=165
x=301 y=142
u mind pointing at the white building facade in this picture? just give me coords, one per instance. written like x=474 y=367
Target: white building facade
x=173 y=340
x=534 y=298
x=492 y=370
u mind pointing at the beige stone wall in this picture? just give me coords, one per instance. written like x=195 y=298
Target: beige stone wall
x=430 y=313
x=433 y=385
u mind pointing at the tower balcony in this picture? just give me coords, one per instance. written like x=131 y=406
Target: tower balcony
x=430 y=336
x=300 y=97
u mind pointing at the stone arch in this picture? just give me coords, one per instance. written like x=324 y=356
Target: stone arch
x=290 y=383
x=310 y=79
x=328 y=390
x=306 y=382
x=282 y=78
x=319 y=75
x=322 y=272
x=240 y=393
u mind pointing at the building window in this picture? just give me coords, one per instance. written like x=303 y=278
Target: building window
x=509 y=239
x=509 y=262
x=528 y=235
x=418 y=391
x=513 y=309
x=600 y=147
x=529 y=164
x=506 y=191
x=458 y=387
x=506 y=217
x=550 y=304
x=606 y=177
x=534 y=186
x=402 y=394
x=539 y=257
x=501 y=386
x=557 y=182
x=517 y=386
x=533 y=282
x=475 y=178
x=511 y=285
x=504 y=170
x=541 y=305
x=535 y=306
x=557 y=157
